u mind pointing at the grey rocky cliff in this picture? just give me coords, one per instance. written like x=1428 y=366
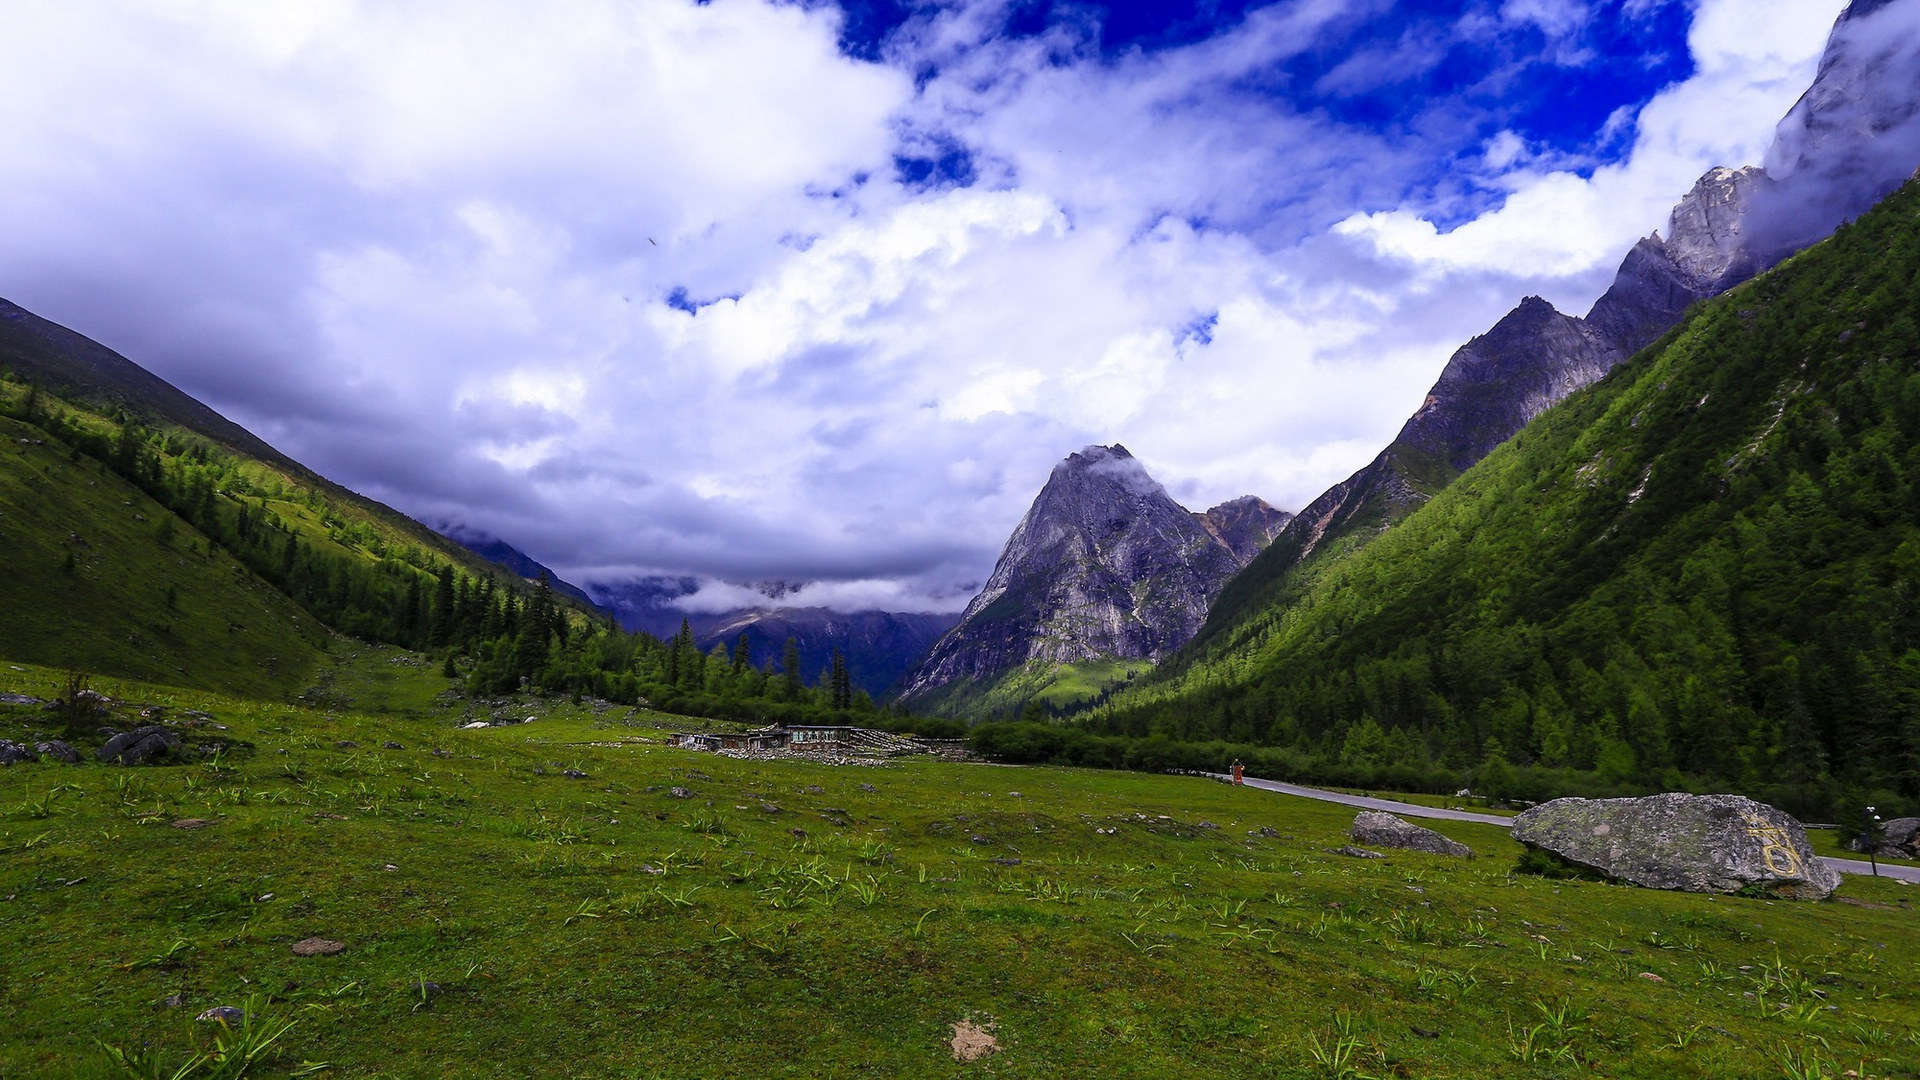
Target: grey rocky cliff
x=1244 y=526
x=1853 y=138
x=1105 y=565
x=1693 y=843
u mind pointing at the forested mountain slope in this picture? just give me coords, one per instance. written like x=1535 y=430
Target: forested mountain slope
x=1705 y=566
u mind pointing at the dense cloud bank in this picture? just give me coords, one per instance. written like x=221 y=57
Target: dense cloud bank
x=663 y=288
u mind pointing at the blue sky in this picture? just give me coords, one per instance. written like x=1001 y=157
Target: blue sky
x=750 y=290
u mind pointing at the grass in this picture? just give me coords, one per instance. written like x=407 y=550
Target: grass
x=138 y=591
x=504 y=919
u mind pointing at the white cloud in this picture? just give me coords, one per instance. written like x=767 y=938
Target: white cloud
x=427 y=249
x=1753 y=59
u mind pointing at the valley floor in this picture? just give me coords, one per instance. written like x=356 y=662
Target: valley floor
x=502 y=916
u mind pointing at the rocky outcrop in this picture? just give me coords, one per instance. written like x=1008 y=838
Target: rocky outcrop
x=1852 y=139
x=1105 y=565
x=1899 y=839
x=1244 y=526
x=1691 y=843
x=12 y=753
x=139 y=746
x=1386 y=830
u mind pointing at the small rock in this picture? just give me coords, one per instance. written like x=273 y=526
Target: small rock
x=868 y=788
x=1385 y=830
x=529 y=720
x=1424 y=1033
x=769 y=808
x=391 y=746
x=1015 y=795
x=816 y=789
x=174 y=1001
x=220 y=1014
x=346 y=744
x=390 y=868
x=978 y=839
x=1264 y=830
x=139 y=746
x=315 y=946
x=574 y=774
x=680 y=793
x=191 y=823
x=1651 y=977
x=475 y=725
x=1352 y=852
x=21 y=699
x=798 y=834
x=58 y=751
x=1004 y=862
x=1206 y=825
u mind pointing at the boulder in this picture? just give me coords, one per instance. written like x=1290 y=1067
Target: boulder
x=1692 y=843
x=1899 y=839
x=139 y=746
x=1385 y=830
x=12 y=753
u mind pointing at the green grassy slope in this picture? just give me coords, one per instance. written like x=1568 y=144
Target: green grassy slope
x=1048 y=688
x=146 y=595
x=1703 y=567
x=1106 y=924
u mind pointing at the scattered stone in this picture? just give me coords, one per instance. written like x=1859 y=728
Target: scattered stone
x=315 y=946
x=58 y=751
x=1651 y=977
x=769 y=808
x=976 y=838
x=12 y=753
x=972 y=1041
x=1004 y=862
x=1206 y=825
x=798 y=834
x=1424 y=1033
x=22 y=699
x=1015 y=795
x=391 y=746
x=476 y=724
x=1692 y=843
x=679 y=793
x=574 y=774
x=346 y=744
x=442 y=753
x=191 y=823
x=1386 y=830
x=1106 y=832
x=1352 y=852
x=696 y=774
x=1267 y=831
x=868 y=788
x=390 y=868
x=139 y=746
x=816 y=789
x=228 y=1015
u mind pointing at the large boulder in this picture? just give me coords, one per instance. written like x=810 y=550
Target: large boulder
x=1693 y=843
x=1899 y=839
x=1385 y=830
x=139 y=746
x=12 y=753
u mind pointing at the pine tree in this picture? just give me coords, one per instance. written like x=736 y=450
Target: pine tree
x=790 y=684
x=742 y=654
x=445 y=608
x=841 y=686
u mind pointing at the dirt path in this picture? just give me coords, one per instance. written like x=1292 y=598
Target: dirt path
x=1391 y=806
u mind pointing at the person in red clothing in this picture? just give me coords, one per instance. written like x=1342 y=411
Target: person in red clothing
x=1239 y=772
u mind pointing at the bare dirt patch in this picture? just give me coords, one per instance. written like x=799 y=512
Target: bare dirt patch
x=973 y=1041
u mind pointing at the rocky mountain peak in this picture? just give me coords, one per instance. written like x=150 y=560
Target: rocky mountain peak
x=1104 y=566
x=1244 y=526
x=1706 y=234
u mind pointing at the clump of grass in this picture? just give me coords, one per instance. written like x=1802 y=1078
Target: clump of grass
x=236 y=1050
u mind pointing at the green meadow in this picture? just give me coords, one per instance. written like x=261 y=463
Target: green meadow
x=538 y=900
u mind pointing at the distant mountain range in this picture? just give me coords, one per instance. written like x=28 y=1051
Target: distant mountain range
x=498 y=551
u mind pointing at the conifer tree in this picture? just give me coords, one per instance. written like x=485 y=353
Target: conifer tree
x=790 y=684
